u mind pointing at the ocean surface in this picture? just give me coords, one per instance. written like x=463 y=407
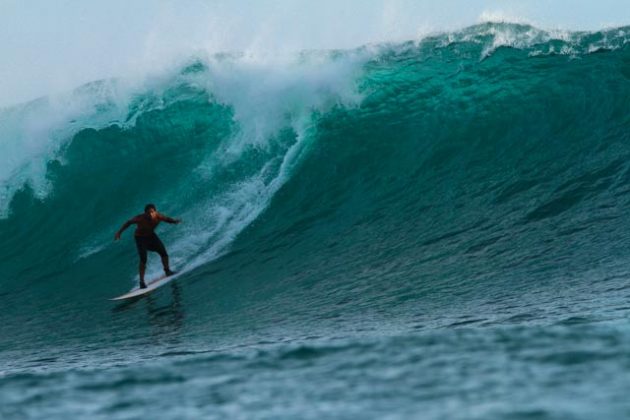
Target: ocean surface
x=430 y=229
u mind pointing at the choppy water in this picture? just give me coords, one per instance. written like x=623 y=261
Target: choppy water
x=434 y=229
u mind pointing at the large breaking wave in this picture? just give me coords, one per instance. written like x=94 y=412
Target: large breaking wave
x=445 y=165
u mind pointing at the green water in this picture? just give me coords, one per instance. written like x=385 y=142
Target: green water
x=420 y=230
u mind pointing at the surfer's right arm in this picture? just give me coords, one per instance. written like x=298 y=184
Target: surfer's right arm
x=125 y=226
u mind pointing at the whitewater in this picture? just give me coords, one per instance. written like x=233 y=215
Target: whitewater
x=426 y=228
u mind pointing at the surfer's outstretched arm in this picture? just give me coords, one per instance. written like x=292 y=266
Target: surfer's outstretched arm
x=168 y=219
x=123 y=227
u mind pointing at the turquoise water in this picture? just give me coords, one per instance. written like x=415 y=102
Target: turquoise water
x=433 y=229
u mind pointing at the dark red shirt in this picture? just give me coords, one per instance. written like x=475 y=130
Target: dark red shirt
x=145 y=225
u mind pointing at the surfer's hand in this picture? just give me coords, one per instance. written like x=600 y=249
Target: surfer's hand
x=178 y=221
x=117 y=236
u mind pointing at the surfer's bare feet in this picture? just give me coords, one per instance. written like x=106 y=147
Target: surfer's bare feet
x=169 y=272
x=143 y=285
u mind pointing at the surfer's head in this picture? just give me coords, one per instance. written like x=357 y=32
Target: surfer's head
x=150 y=209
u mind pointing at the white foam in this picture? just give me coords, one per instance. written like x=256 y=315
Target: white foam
x=69 y=43
x=33 y=134
x=501 y=16
x=267 y=94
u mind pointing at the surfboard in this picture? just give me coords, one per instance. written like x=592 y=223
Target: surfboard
x=151 y=286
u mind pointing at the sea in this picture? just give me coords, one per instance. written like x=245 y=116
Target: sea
x=430 y=229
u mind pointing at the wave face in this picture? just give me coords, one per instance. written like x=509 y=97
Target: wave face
x=456 y=201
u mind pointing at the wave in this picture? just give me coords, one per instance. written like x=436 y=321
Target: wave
x=466 y=155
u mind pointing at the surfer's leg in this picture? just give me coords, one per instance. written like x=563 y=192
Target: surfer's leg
x=160 y=249
x=141 y=269
x=165 y=265
x=142 y=253
x=167 y=269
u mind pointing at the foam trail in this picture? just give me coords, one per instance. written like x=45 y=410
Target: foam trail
x=267 y=95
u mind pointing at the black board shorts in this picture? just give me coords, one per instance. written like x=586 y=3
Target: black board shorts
x=149 y=243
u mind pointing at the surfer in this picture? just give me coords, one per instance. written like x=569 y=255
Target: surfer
x=146 y=238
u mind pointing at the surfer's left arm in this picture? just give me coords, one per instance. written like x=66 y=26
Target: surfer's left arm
x=169 y=219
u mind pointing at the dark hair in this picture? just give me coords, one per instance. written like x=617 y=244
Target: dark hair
x=149 y=207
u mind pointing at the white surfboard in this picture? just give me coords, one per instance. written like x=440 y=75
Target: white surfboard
x=151 y=286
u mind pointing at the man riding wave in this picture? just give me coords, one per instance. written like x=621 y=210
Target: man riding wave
x=147 y=239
